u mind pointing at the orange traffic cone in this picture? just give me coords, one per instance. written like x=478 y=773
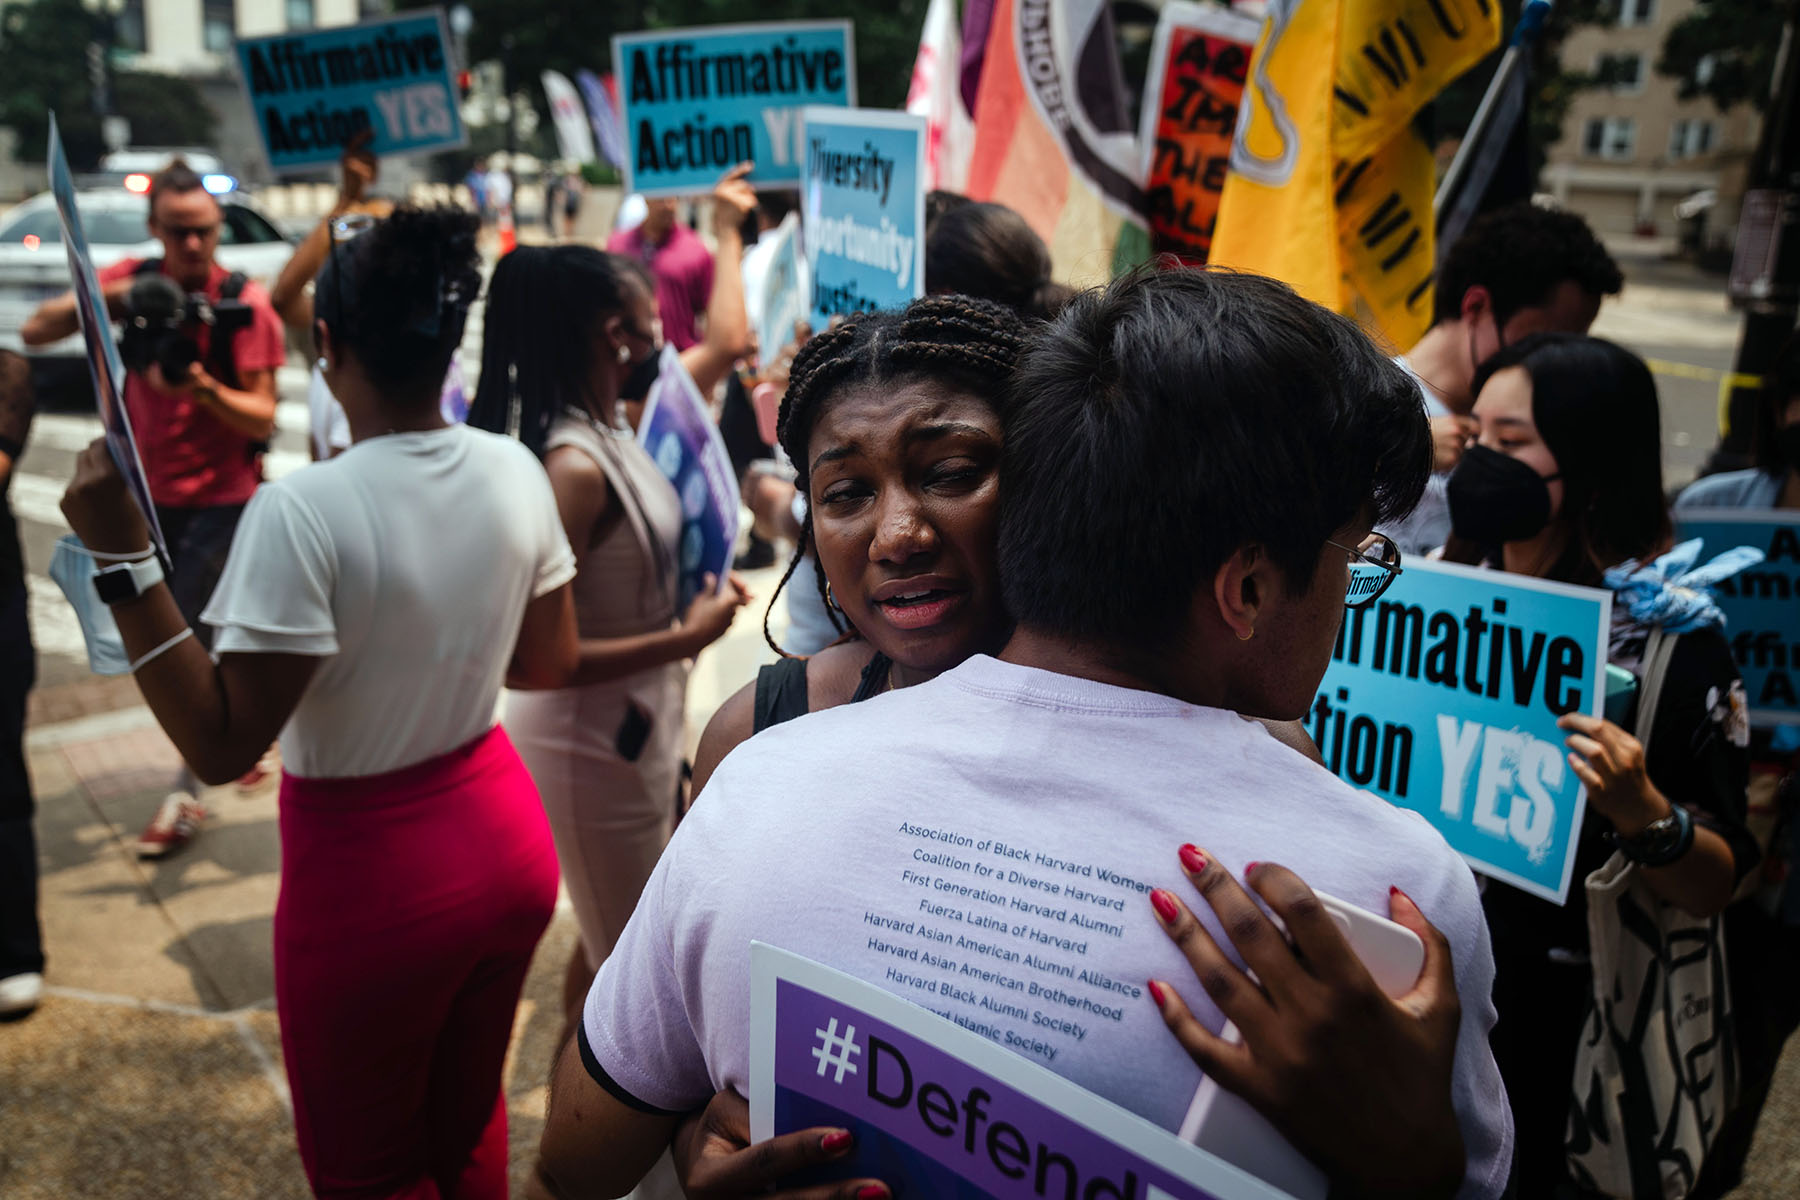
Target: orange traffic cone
x=509 y=241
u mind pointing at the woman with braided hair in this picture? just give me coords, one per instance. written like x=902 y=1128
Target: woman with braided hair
x=894 y=422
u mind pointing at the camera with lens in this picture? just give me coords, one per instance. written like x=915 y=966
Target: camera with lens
x=162 y=324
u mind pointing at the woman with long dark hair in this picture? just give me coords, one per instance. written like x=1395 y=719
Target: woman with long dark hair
x=572 y=345
x=417 y=870
x=1564 y=484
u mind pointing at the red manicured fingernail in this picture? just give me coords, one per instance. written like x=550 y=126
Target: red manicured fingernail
x=1249 y=867
x=873 y=1191
x=1394 y=891
x=1156 y=993
x=1192 y=860
x=835 y=1141
x=1164 y=904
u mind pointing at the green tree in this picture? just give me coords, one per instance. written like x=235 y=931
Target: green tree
x=1725 y=50
x=44 y=66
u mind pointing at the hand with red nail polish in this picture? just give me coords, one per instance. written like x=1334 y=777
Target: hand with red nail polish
x=715 y=1159
x=1359 y=1082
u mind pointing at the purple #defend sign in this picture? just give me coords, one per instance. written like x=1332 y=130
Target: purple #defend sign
x=105 y=367
x=939 y=1111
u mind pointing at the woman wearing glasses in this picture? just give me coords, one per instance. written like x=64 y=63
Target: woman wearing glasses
x=1564 y=484
x=417 y=871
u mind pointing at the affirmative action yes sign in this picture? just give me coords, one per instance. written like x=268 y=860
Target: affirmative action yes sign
x=696 y=102
x=1761 y=605
x=312 y=92
x=1443 y=697
x=940 y=1111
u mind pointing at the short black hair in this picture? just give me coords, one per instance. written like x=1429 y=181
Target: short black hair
x=1178 y=415
x=987 y=250
x=176 y=179
x=1594 y=404
x=1781 y=383
x=406 y=286
x=954 y=339
x=1521 y=253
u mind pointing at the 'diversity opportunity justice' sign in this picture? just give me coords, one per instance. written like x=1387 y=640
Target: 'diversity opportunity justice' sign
x=311 y=93
x=697 y=102
x=1443 y=697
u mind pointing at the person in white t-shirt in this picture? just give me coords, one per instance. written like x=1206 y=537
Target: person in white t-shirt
x=1517 y=270
x=417 y=869
x=1264 y=437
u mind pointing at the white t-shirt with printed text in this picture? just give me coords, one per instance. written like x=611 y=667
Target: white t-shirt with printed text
x=984 y=845
x=405 y=563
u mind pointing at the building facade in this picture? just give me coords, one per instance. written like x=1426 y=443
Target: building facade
x=1631 y=149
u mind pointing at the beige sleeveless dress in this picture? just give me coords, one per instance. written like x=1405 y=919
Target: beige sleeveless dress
x=611 y=817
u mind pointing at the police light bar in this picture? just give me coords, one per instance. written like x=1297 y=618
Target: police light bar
x=218 y=185
x=137 y=182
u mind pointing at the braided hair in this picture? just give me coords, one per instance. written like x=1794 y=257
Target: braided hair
x=951 y=339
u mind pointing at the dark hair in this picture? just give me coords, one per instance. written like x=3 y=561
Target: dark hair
x=955 y=339
x=539 y=338
x=938 y=202
x=176 y=179
x=1175 y=417
x=771 y=206
x=1594 y=404
x=1521 y=253
x=1781 y=383
x=406 y=285
x=987 y=250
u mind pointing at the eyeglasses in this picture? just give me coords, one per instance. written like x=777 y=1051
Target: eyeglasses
x=344 y=229
x=181 y=233
x=1373 y=568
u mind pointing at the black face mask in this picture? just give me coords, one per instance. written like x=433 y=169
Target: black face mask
x=1495 y=498
x=636 y=385
x=1788 y=442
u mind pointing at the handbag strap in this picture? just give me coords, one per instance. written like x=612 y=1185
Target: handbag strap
x=1659 y=648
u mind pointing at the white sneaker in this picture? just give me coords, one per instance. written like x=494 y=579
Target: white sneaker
x=173 y=826
x=19 y=994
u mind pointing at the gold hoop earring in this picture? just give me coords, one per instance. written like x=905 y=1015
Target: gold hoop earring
x=831 y=600
x=1244 y=637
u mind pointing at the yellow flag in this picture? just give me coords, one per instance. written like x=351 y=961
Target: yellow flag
x=1344 y=215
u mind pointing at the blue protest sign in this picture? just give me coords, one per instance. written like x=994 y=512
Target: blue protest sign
x=1443 y=697
x=311 y=92
x=1761 y=605
x=697 y=102
x=781 y=295
x=105 y=368
x=862 y=200
x=677 y=430
x=829 y=1049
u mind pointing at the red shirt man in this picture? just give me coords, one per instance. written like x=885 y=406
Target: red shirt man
x=680 y=263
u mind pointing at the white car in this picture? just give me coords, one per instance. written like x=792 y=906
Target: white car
x=34 y=266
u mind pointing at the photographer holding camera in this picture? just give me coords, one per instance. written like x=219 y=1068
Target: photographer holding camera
x=201 y=346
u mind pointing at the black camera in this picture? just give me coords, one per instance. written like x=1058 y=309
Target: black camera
x=162 y=324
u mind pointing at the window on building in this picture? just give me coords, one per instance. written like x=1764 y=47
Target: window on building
x=1622 y=72
x=128 y=28
x=1690 y=138
x=300 y=14
x=1635 y=12
x=219 y=24
x=1609 y=137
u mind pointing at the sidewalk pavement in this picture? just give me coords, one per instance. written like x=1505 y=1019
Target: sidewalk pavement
x=153 y=1068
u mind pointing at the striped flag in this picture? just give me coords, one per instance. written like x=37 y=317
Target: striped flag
x=1053 y=133
x=603 y=113
x=1331 y=184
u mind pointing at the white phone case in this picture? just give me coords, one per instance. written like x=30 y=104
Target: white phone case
x=1225 y=1125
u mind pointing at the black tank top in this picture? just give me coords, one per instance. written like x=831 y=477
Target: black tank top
x=781 y=689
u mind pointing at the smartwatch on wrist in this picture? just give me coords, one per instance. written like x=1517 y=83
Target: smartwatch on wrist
x=1662 y=841
x=128 y=580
